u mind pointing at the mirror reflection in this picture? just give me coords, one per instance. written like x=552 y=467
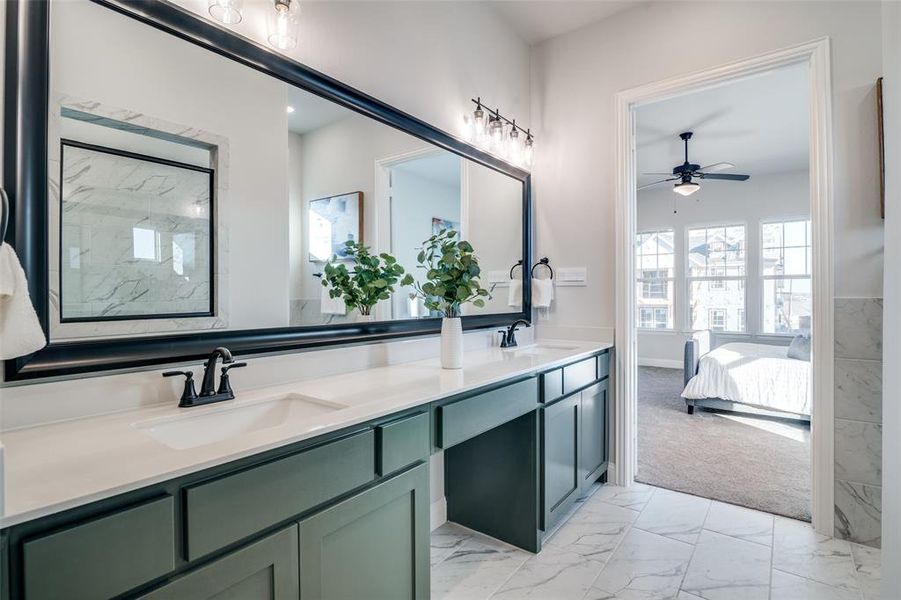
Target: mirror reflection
x=187 y=207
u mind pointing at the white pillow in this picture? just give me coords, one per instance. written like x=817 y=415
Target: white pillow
x=800 y=347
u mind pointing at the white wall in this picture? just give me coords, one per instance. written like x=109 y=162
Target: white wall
x=139 y=76
x=296 y=233
x=576 y=76
x=764 y=197
x=891 y=378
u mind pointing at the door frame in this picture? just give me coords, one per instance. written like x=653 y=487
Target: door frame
x=816 y=54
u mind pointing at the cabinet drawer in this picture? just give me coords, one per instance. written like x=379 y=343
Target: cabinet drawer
x=580 y=374
x=551 y=385
x=104 y=557
x=468 y=418
x=228 y=509
x=402 y=442
x=604 y=365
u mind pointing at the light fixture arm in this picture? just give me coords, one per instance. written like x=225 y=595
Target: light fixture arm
x=497 y=115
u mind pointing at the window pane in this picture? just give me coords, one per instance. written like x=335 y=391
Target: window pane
x=725 y=304
x=786 y=305
x=716 y=248
x=796 y=233
x=697 y=252
x=772 y=261
x=772 y=235
x=654 y=303
x=795 y=261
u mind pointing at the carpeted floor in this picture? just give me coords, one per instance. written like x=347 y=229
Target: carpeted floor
x=751 y=461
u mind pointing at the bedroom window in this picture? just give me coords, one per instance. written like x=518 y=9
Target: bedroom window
x=654 y=273
x=786 y=267
x=716 y=277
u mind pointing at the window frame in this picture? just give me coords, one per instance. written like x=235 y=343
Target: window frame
x=688 y=279
x=764 y=278
x=667 y=282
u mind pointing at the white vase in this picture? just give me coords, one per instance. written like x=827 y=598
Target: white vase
x=452 y=343
x=361 y=318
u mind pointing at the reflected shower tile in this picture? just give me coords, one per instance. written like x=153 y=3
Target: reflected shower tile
x=858 y=451
x=858 y=390
x=858 y=328
x=858 y=512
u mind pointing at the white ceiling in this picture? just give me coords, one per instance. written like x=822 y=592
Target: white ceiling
x=441 y=167
x=539 y=20
x=312 y=112
x=759 y=124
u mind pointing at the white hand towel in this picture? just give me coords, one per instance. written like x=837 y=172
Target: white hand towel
x=514 y=294
x=329 y=305
x=542 y=292
x=20 y=331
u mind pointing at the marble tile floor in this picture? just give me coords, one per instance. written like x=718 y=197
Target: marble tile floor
x=650 y=543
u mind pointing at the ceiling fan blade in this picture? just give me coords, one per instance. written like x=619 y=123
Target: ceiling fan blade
x=720 y=166
x=647 y=185
x=670 y=173
x=725 y=176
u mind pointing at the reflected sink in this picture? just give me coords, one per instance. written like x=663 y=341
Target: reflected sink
x=541 y=349
x=213 y=424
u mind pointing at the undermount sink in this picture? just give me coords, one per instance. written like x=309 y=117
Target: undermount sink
x=541 y=349
x=218 y=423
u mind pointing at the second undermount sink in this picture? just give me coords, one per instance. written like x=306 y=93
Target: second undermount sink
x=211 y=424
x=541 y=349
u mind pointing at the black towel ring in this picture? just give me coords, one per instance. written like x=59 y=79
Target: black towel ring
x=4 y=218
x=518 y=264
x=545 y=262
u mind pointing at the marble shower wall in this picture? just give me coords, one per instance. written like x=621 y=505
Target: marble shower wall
x=858 y=420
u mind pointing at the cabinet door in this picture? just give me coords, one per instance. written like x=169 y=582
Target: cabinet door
x=264 y=570
x=560 y=458
x=374 y=545
x=593 y=436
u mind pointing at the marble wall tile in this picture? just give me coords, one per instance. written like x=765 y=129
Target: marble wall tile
x=858 y=390
x=858 y=513
x=858 y=452
x=858 y=328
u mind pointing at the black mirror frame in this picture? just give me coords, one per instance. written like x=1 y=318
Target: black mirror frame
x=26 y=107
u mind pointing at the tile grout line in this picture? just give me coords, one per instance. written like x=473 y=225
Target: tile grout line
x=616 y=547
x=694 y=548
x=772 y=558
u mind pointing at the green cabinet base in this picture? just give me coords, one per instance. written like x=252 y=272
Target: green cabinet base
x=491 y=483
x=374 y=545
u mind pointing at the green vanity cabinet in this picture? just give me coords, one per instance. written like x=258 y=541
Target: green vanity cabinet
x=263 y=570
x=560 y=464
x=593 y=434
x=374 y=545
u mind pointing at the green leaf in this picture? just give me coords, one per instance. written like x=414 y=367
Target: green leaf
x=478 y=302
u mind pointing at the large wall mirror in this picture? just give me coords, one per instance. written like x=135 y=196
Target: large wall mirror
x=197 y=186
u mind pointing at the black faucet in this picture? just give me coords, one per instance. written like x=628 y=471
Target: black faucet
x=508 y=339
x=208 y=393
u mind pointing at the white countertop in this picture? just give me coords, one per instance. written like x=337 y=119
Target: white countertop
x=55 y=467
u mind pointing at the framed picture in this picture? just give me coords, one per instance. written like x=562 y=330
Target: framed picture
x=332 y=222
x=880 y=132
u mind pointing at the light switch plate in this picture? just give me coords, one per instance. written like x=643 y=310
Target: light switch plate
x=571 y=276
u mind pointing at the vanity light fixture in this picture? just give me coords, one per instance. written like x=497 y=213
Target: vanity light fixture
x=284 y=23
x=226 y=11
x=289 y=109
x=493 y=135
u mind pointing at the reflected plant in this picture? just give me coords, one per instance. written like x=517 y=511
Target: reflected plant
x=452 y=274
x=372 y=279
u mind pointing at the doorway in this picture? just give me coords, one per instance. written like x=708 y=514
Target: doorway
x=813 y=58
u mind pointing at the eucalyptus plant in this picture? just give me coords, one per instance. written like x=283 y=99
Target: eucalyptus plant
x=371 y=279
x=452 y=274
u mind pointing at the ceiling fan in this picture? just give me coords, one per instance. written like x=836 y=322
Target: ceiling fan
x=687 y=171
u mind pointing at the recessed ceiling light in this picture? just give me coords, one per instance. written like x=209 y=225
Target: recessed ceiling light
x=290 y=109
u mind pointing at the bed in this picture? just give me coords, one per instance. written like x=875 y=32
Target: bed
x=743 y=377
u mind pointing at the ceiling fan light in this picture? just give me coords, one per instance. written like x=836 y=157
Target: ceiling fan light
x=686 y=188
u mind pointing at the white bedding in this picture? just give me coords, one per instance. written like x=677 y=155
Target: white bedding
x=753 y=374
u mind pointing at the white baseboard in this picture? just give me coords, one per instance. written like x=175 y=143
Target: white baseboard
x=437 y=514
x=666 y=363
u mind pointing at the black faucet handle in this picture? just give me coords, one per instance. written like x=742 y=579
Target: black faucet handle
x=225 y=387
x=189 y=393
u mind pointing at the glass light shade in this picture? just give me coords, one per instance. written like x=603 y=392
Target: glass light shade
x=513 y=149
x=478 y=125
x=284 y=24
x=528 y=147
x=686 y=188
x=226 y=11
